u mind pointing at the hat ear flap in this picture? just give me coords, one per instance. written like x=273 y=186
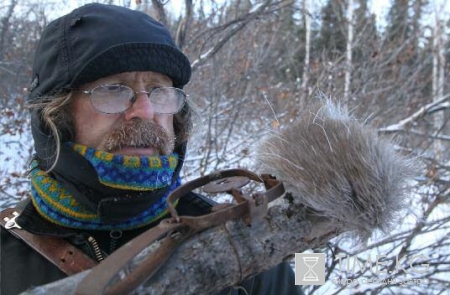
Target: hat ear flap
x=44 y=142
x=44 y=139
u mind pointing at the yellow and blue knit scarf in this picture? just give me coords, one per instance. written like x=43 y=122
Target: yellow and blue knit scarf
x=139 y=173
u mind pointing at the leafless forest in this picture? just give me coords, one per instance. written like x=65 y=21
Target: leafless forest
x=256 y=64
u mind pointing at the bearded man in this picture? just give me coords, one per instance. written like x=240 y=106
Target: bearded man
x=110 y=121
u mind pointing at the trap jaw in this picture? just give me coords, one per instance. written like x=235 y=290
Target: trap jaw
x=231 y=181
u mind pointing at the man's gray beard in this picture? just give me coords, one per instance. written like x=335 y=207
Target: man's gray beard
x=141 y=134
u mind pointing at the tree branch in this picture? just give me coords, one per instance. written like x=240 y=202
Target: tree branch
x=440 y=104
x=237 y=25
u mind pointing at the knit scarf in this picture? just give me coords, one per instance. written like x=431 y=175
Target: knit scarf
x=140 y=173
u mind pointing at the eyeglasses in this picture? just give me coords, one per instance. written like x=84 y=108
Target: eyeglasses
x=117 y=98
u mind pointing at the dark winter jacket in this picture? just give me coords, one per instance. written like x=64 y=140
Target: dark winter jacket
x=23 y=268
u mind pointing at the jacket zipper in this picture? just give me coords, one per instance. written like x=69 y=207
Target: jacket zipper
x=97 y=252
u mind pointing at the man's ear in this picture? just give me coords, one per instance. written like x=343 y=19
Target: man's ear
x=182 y=124
x=66 y=126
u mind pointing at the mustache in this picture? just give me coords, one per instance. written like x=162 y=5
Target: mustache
x=139 y=133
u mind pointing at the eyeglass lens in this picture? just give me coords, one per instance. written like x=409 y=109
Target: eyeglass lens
x=113 y=99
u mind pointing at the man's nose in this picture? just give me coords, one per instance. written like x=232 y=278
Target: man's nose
x=142 y=108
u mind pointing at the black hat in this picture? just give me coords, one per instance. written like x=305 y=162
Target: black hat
x=96 y=41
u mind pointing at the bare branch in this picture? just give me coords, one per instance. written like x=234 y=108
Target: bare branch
x=440 y=104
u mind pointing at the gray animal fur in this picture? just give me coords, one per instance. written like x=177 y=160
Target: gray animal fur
x=339 y=167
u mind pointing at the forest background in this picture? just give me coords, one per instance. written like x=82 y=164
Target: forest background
x=256 y=64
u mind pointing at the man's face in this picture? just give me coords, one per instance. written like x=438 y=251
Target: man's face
x=138 y=131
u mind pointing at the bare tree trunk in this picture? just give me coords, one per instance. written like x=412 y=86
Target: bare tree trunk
x=438 y=79
x=160 y=16
x=5 y=26
x=183 y=27
x=305 y=76
x=348 y=56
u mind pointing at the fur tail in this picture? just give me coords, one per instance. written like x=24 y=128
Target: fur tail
x=340 y=168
